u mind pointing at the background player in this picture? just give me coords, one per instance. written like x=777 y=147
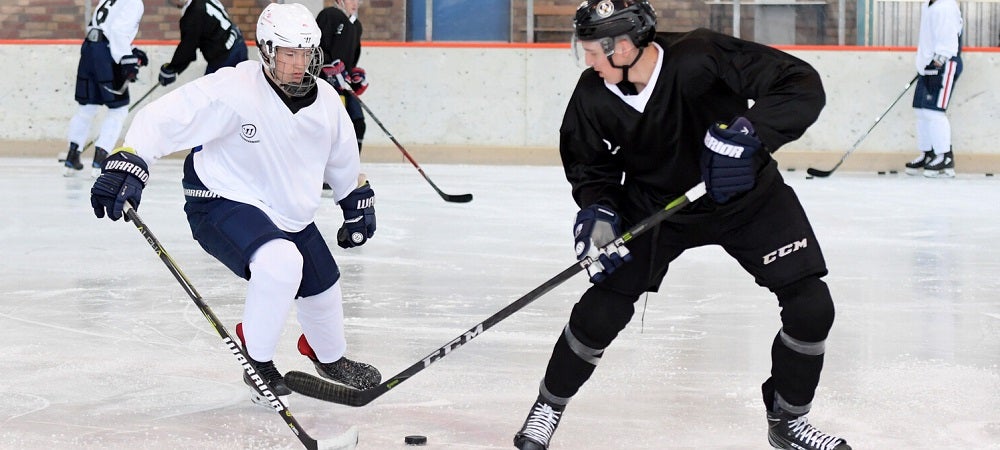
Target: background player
x=205 y=25
x=939 y=63
x=270 y=137
x=108 y=63
x=648 y=121
x=341 y=46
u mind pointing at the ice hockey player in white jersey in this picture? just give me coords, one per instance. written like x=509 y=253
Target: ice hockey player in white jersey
x=108 y=63
x=269 y=137
x=939 y=63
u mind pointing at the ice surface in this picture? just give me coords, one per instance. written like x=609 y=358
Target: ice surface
x=101 y=348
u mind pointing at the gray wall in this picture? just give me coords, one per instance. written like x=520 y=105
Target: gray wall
x=514 y=97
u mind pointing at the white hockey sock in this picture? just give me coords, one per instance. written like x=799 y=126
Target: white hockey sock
x=933 y=131
x=275 y=274
x=79 y=125
x=322 y=320
x=111 y=128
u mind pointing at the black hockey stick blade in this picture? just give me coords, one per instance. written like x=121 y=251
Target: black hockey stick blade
x=346 y=441
x=315 y=387
x=826 y=173
x=453 y=198
x=820 y=173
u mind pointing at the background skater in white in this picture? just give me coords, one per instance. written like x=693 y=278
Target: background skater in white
x=108 y=63
x=939 y=63
x=271 y=136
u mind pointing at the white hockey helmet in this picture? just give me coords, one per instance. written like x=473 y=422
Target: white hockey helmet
x=289 y=25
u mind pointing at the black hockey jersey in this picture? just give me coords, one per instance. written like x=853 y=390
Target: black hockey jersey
x=706 y=77
x=205 y=26
x=341 y=37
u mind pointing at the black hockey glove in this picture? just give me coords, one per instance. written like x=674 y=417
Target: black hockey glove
x=727 y=161
x=932 y=78
x=596 y=227
x=359 y=217
x=123 y=176
x=167 y=75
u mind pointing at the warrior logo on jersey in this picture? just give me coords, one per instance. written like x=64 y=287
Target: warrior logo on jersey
x=614 y=151
x=249 y=131
x=605 y=9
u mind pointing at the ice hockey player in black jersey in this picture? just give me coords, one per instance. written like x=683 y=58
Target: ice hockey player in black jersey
x=652 y=116
x=205 y=25
x=341 y=44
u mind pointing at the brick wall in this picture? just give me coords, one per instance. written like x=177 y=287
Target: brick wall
x=385 y=20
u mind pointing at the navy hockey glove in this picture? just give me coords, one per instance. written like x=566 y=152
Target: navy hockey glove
x=359 y=217
x=727 y=161
x=167 y=75
x=358 y=80
x=123 y=176
x=141 y=57
x=595 y=230
x=932 y=78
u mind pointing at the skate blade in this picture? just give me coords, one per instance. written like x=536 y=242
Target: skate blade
x=946 y=173
x=913 y=171
x=69 y=171
x=260 y=400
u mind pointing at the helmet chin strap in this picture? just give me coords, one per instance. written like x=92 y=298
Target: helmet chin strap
x=627 y=87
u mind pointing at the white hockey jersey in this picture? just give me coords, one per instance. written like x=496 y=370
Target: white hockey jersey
x=255 y=151
x=940 y=26
x=119 y=21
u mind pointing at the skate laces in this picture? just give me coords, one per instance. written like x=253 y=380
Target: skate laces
x=268 y=371
x=800 y=429
x=541 y=423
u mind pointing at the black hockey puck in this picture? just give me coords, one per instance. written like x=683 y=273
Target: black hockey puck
x=415 y=439
x=791 y=169
x=809 y=177
x=881 y=172
x=989 y=174
x=893 y=172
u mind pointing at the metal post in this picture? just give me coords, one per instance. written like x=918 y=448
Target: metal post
x=429 y=20
x=529 y=29
x=736 y=18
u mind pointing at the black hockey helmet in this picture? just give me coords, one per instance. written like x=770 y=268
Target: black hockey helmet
x=596 y=19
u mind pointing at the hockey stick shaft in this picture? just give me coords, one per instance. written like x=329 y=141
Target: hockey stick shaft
x=826 y=173
x=454 y=198
x=312 y=386
x=279 y=406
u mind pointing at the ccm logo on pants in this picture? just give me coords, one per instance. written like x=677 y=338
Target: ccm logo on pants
x=785 y=251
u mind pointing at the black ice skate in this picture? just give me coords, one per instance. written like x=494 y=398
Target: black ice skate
x=537 y=430
x=355 y=374
x=914 y=167
x=794 y=433
x=267 y=373
x=100 y=155
x=943 y=166
x=72 y=161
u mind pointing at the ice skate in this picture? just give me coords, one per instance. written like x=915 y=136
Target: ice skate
x=943 y=166
x=100 y=155
x=355 y=374
x=538 y=427
x=914 y=167
x=795 y=433
x=72 y=161
x=267 y=373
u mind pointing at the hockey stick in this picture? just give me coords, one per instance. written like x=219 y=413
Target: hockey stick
x=315 y=387
x=346 y=441
x=454 y=198
x=826 y=173
x=130 y=108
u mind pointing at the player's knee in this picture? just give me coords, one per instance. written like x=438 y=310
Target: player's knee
x=600 y=315
x=278 y=260
x=807 y=310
